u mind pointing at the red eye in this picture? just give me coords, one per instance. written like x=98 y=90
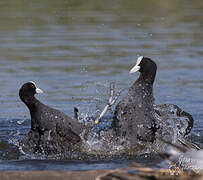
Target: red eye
x=32 y=86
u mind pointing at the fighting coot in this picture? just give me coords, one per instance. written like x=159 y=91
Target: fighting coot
x=135 y=116
x=51 y=130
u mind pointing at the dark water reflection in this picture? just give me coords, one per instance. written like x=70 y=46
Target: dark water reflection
x=73 y=48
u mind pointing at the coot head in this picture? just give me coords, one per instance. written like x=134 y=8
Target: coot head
x=28 y=90
x=146 y=67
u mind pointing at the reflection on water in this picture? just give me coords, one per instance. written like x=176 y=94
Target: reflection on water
x=73 y=48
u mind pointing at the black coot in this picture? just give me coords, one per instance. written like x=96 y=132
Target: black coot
x=51 y=130
x=134 y=116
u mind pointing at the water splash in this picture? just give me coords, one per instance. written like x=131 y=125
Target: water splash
x=102 y=142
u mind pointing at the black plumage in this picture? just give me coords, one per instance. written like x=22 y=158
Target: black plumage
x=135 y=117
x=51 y=129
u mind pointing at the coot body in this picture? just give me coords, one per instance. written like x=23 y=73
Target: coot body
x=51 y=129
x=133 y=116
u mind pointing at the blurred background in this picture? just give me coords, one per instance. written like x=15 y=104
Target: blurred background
x=72 y=49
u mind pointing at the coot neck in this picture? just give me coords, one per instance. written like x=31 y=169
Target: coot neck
x=144 y=84
x=147 y=78
x=30 y=102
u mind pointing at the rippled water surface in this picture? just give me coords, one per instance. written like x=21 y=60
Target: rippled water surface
x=72 y=49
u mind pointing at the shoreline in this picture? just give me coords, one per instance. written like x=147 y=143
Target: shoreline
x=50 y=175
x=115 y=174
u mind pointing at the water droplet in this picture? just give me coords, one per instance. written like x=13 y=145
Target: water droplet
x=20 y=122
x=140 y=125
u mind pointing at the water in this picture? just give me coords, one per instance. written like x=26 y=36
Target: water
x=73 y=49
